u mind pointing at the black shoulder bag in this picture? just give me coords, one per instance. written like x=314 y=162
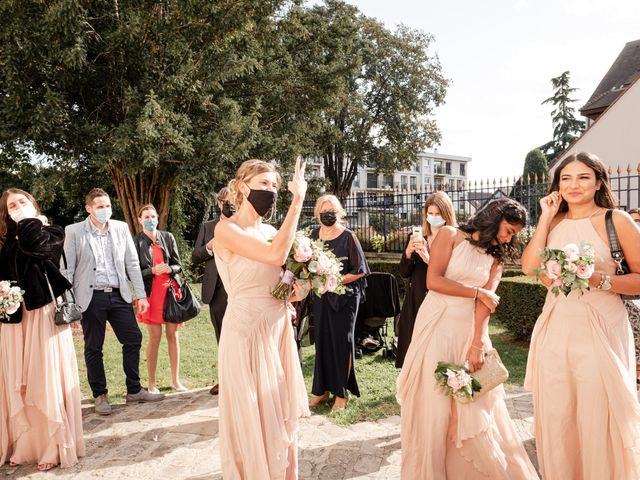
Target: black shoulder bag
x=622 y=267
x=67 y=310
x=183 y=309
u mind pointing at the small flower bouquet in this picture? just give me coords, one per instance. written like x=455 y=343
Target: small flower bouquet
x=456 y=381
x=569 y=267
x=311 y=265
x=10 y=299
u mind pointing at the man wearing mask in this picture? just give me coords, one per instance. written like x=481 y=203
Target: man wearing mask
x=100 y=256
x=213 y=292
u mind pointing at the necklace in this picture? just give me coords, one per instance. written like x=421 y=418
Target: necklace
x=582 y=218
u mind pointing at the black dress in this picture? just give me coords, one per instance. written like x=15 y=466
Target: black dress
x=415 y=270
x=334 y=318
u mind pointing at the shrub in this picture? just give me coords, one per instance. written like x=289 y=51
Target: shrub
x=396 y=239
x=365 y=236
x=521 y=301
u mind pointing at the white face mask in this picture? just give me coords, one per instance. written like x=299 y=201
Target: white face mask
x=435 y=221
x=28 y=211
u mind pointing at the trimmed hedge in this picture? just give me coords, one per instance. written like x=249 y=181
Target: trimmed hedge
x=521 y=301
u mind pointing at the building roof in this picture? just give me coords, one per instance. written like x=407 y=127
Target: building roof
x=622 y=73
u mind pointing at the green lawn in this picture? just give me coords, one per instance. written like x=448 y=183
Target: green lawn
x=376 y=375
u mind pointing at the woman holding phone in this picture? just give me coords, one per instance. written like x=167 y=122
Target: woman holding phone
x=438 y=212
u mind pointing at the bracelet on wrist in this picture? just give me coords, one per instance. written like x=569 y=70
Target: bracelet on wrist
x=477 y=348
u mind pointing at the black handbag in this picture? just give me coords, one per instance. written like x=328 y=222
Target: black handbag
x=622 y=267
x=67 y=310
x=183 y=309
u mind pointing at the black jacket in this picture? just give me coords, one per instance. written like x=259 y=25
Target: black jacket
x=169 y=247
x=211 y=282
x=30 y=250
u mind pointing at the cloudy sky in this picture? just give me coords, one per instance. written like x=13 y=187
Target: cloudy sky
x=501 y=56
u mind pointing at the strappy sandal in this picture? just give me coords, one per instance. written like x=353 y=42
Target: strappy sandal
x=318 y=399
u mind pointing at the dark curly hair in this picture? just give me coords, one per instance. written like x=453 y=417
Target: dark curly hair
x=487 y=221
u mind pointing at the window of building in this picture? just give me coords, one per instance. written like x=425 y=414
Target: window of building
x=372 y=180
x=427 y=162
x=437 y=183
x=447 y=168
x=416 y=167
x=356 y=181
x=387 y=181
x=413 y=182
x=403 y=182
x=437 y=168
x=463 y=170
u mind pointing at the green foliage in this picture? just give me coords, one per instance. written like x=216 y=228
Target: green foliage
x=566 y=127
x=162 y=95
x=521 y=301
x=389 y=84
x=377 y=243
x=535 y=166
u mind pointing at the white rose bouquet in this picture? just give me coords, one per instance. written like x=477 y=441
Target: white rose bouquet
x=10 y=299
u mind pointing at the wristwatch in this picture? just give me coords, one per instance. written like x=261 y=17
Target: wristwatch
x=605 y=282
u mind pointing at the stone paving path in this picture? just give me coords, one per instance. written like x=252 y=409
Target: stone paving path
x=177 y=439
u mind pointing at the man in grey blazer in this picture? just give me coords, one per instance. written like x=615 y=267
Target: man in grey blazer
x=213 y=292
x=100 y=255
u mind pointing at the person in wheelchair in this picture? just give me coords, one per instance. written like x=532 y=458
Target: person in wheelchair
x=334 y=315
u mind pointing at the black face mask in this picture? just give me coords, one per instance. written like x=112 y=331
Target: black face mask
x=228 y=208
x=328 y=218
x=262 y=200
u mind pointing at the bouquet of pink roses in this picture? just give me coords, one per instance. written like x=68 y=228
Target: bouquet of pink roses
x=569 y=267
x=311 y=265
x=455 y=381
x=10 y=299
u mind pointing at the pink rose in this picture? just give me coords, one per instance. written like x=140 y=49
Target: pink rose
x=13 y=308
x=4 y=288
x=454 y=383
x=585 y=271
x=302 y=251
x=558 y=283
x=571 y=267
x=553 y=269
x=572 y=251
x=331 y=283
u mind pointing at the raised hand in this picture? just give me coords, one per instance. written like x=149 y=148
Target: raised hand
x=298 y=185
x=550 y=204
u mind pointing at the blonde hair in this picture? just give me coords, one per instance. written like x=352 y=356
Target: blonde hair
x=222 y=194
x=148 y=206
x=248 y=170
x=441 y=200
x=340 y=212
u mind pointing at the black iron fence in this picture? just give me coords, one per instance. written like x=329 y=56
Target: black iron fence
x=382 y=219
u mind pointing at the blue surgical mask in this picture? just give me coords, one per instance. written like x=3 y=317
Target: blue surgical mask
x=103 y=215
x=435 y=221
x=150 y=224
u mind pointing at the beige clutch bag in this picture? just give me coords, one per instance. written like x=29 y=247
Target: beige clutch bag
x=492 y=374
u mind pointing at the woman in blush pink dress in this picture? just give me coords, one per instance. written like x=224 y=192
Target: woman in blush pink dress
x=40 y=414
x=262 y=391
x=441 y=438
x=581 y=365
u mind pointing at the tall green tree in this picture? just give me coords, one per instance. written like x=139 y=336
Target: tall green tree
x=390 y=84
x=566 y=127
x=535 y=166
x=156 y=97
